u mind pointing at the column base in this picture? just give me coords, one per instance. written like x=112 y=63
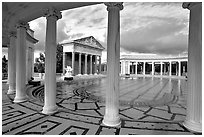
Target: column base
x=85 y=74
x=49 y=109
x=111 y=122
x=193 y=126
x=11 y=91
x=20 y=99
x=79 y=75
x=95 y=74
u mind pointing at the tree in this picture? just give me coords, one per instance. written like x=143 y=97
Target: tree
x=4 y=64
x=59 y=57
x=39 y=65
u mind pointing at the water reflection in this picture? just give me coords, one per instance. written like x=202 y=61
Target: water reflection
x=140 y=91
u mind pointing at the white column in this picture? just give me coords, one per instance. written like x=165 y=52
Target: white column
x=91 y=64
x=179 y=68
x=136 y=68
x=20 y=63
x=32 y=62
x=73 y=61
x=111 y=117
x=193 y=119
x=128 y=67
x=99 y=70
x=29 y=64
x=85 y=72
x=63 y=62
x=144 y=68
x=79 y=64
x=95 y=66
x=170 y=68
x=50 y=106
x=12 y=63
x=152 y=68
x=161 y=69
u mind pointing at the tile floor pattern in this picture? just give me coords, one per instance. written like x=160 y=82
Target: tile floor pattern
x=81 y=109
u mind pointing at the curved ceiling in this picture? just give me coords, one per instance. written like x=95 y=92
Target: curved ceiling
x=12 y=12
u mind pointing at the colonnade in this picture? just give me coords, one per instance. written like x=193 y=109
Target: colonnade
x=27 y=55
x=111 y=118
x=94 y=63
x=131 y=67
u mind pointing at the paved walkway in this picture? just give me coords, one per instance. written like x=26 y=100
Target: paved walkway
x=147 y=106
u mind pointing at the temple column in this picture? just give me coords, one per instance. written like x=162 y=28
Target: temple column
x=161 y=69
x=132 y=69
x=179 y=68
x=170 y=68
x=144 y=68
x=63 y=64
x=152 y=68
x=95 y=66
x=85 y=72
x=193 y=119
x=12 y=63
x=73 y=61
x=128 y=67
x=79 y=64
x=50 y=106
x=136 y=67
x=111 y=117
x=164 y=68
x=20 y=63
x=91 y=65
x=99 y=69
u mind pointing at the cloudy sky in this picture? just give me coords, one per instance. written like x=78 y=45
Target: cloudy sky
x=158 y=28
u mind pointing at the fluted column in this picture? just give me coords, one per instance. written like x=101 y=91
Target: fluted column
x=79 y=64
x=12 y=63
x=193 y=119
x=111 y=117
x=161 y=69
x=73 y=61
x=85 y=72
x=152 y=68
x=95 y=66
x=91 y=64
x=20 y=63
x=179 y=68
x=144 y=68
x=136 y=68
x=63 y=62
x=99 y=69
x=52 y=16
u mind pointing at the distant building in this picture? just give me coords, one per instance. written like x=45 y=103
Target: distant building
x=83 y=55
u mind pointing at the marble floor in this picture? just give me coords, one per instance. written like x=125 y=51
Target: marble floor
x=147 y=106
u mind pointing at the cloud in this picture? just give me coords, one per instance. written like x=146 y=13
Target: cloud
x=160 y=28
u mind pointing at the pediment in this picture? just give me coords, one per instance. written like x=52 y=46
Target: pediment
x=89 y=41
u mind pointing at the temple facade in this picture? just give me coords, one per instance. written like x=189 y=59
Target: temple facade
x=83 y=55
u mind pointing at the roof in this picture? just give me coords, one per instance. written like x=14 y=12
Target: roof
x=87 y=41
x=151 y=57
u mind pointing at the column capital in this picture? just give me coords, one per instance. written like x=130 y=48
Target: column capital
x=111 y=5
x=86 y=54
x=189 y=5
x=12 y=34
x=53 y=13
x=22 y=24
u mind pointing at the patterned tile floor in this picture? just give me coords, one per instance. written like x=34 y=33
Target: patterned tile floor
x=148 y=106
